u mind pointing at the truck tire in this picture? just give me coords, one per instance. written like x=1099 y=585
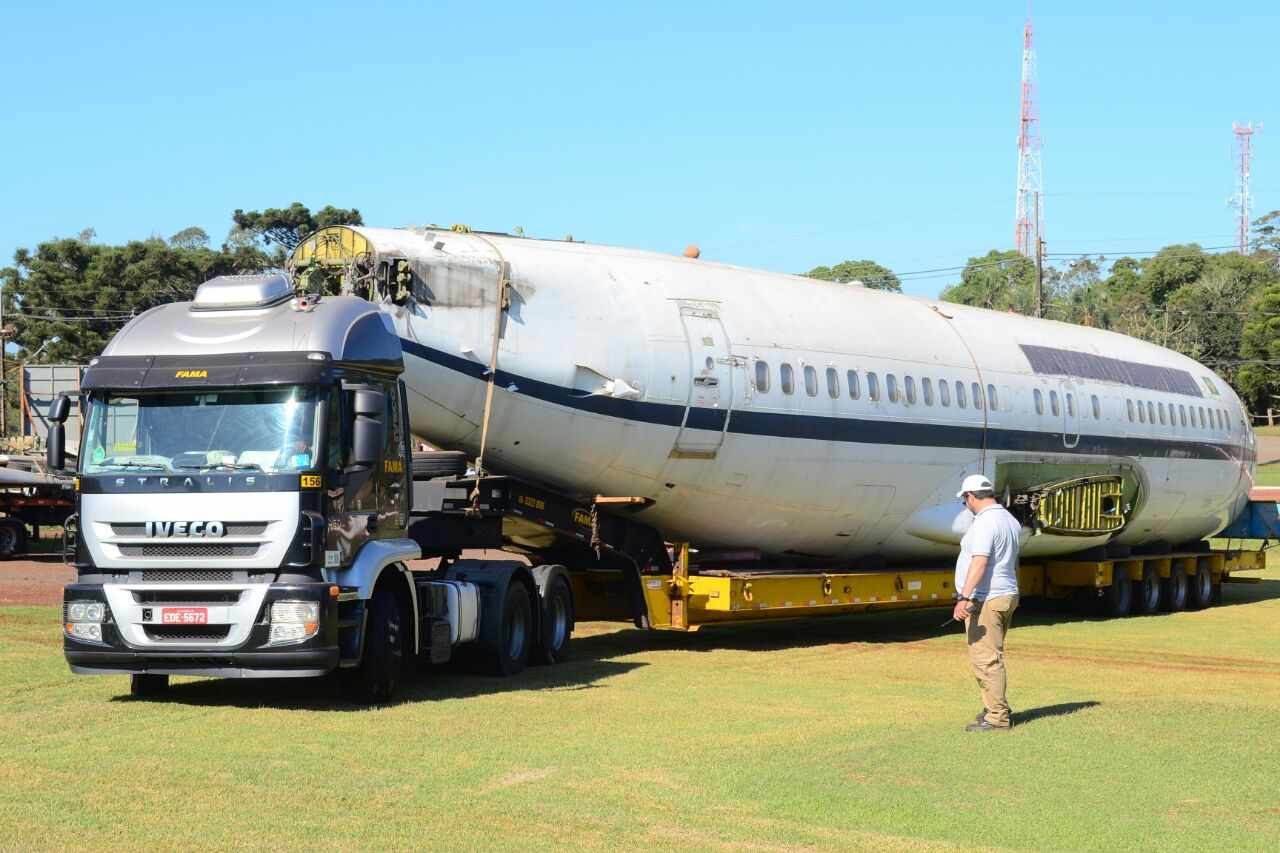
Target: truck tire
x=1173 y=591
x=1200 y=587
x=148 y=685
x=13 y=536
x=1117 y=599
x=1146 y=592
x=556 y=622
x=515 y=637
x=381 y=666
x=439 y=463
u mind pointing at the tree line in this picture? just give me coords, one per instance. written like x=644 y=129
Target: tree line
x=69 y=296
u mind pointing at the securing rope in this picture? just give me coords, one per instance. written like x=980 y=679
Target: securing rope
x=504 y=302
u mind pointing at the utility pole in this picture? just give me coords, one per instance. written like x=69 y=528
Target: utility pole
x=1039 y=262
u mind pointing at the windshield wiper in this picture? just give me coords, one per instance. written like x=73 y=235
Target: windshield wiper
x=236 y=466
x=155 y=466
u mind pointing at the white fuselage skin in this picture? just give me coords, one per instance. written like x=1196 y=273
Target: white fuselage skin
x=609 y=342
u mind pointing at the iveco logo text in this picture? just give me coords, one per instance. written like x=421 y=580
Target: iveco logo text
x=185 y=528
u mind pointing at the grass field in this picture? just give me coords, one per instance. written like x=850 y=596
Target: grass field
x=1141 y=733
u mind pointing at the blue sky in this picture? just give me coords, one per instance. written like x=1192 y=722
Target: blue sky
x=773 y=135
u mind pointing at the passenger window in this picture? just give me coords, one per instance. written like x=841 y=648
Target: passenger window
x=762 y=377
x=873 y=387
x=854 y=390
x=1097 y=408
x=1039 y=398
x=788 y=379
x=992 y=400
x=833 y=383
x=1053 y=403
x=1142 y=413
x=977 y=395
x=1182 y=414
x=910 y=385
x=1128 y=404
x=891 y=387
x=926 y=391
x=944 y=392
x=959 y=394
x=1203 y=423
x=1071 y=405
x=810 y=380
x=1151 y=412
x=1160 y=408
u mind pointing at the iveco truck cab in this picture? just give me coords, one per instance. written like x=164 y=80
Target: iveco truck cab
x=244 y=498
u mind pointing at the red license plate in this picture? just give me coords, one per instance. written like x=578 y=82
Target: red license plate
x=184 y=615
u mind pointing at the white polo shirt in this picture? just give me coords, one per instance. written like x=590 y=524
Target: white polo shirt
x=994 y=534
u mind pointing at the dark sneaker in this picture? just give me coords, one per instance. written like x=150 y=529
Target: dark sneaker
x=984 y=726
x=982 y=715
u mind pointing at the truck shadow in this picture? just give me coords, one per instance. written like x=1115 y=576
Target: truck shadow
x=601 y=654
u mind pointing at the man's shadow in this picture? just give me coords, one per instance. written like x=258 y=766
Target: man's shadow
x=1021 y=718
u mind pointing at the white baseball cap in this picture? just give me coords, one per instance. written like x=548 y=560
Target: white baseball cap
x=975 y=483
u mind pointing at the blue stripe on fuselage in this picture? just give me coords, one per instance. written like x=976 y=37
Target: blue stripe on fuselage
x=825 y=428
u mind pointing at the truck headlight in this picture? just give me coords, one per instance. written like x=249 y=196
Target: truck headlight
x=293 y=621
x=84 y=620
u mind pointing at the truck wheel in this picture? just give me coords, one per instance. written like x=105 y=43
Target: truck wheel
x=378 y=675
x=10 y=539
x=1146 y=592
x=148 y=685
x=515 y=639
x=1117 y=599
x=1200 y=591
x=439 y=463
x=1173 y=591
x=557 y=622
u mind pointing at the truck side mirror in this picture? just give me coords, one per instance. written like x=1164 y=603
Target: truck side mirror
x=56 y=450
x=369 y=432
x=59 y=409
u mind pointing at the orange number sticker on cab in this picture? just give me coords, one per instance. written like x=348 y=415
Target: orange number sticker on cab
x=311 y=481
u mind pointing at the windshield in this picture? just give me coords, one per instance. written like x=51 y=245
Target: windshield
x=261 y=429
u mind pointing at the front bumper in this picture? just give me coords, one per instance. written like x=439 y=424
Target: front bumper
x=244 y=653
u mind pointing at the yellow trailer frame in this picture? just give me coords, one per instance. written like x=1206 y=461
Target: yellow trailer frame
x=685 y=600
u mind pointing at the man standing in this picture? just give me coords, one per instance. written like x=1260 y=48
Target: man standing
x=987 y=594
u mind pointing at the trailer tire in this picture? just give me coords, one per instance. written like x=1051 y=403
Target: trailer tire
x=439 y=463
x=1200 y=587
x=13 y=538
x=1173 y=591
x=1146 y=592
x=148 y=685
x=381 y=667
x=556 y=622
x=1117 y=599
x=515 y=639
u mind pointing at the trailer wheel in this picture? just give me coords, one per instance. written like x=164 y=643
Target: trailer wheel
x=1117 y=599
x=148 y=685
x=515 y=636
x=378 y=675
x=1146 y=592
x=12 y=536
x=557 y=622
x=1173 y=591
x=1200 y=592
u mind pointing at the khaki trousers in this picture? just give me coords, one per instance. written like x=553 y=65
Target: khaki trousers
x=985 y=629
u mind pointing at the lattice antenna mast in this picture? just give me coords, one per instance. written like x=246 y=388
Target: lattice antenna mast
x=1028 y=217
x=1242 y=201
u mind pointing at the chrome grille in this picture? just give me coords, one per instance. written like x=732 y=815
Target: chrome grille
x=191 y=596
x=188 y=576
x=189 y=550
x=230 y=528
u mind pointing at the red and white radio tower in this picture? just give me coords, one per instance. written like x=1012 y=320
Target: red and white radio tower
x=1027 y=218
x=1241 y=200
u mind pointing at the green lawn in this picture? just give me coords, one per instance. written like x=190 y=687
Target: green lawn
x=1267 y=475
x=1141 y=733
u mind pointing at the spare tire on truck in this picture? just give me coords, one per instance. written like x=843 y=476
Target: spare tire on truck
x=439 y=463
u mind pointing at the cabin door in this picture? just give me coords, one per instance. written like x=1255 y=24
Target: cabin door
x=1070 y=414
x=711 y=374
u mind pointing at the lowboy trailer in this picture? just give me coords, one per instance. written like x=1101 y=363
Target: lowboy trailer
x=248 y=504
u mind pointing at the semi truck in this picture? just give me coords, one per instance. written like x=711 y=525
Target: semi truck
x=248 y=503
